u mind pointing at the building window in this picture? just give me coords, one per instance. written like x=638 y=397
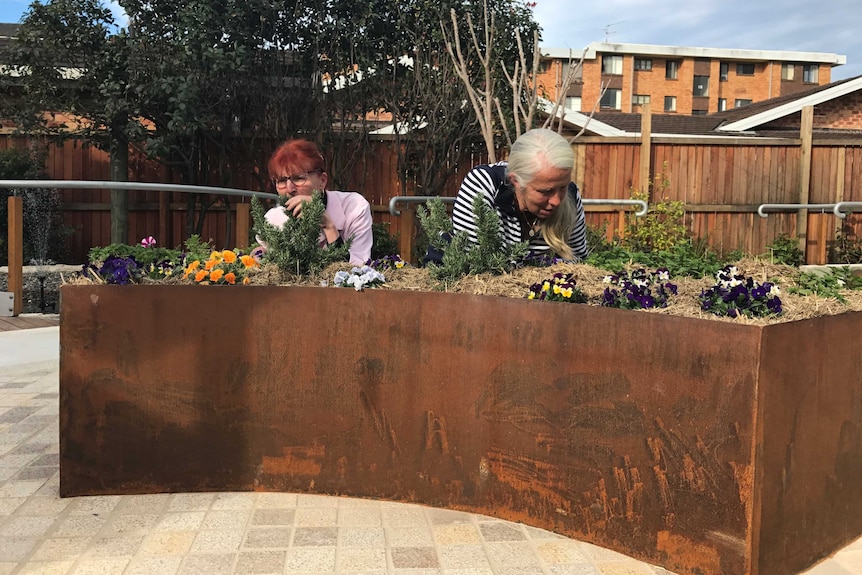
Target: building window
x=810 y=73
x=573 y=103
x=640 y=99
x=700 y=86
x=741 y=103
x=699 y=112
x=745 y=69
x=671 y=69
x=722 y=104
x=578 y=71
x=788 y=71
x=723 y=70
x=612 y=64
x=643 y=64
x=611 y=99
x=670 y=103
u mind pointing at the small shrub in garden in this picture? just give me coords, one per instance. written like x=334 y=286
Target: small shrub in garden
x=294 y=248
x=638 y=289
x=785 y=250
x=827 y=284
x=359 y=278
x=733 y=295
x=383 y=243
x=222 y=267
x=460 y=256
x=663 y=226
x=560 y=287
x=847 y=247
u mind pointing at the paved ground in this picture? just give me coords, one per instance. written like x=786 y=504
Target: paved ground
x=214 y=533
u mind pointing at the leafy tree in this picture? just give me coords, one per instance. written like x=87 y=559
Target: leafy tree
x=69 y=77
x=223 y=83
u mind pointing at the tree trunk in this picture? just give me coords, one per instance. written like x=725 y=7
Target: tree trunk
x=119 y=162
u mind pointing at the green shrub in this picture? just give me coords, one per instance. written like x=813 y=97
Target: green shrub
x=384 y=244
x=827 y=284
x=295 y=247
x=662 y=227
x=491 y=254
x=785 y=250
x=847 y=248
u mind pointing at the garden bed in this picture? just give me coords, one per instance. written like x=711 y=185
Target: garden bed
x=707 y=447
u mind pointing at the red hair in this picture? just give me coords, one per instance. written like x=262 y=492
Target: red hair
x=295 y=157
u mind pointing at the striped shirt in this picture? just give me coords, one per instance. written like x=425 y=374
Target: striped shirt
x=490 y=181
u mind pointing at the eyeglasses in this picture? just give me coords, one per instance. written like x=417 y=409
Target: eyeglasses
x=296 y=179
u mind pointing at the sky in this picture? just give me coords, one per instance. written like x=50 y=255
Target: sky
x=831 y=26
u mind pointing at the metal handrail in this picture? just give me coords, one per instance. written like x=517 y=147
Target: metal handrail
x=104 y=185
x=642 y=205
x=843 y=206
x=791 y=208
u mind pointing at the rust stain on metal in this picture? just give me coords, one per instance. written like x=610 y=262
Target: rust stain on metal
x=689 y=556
x=652 y=452
x=303 y=461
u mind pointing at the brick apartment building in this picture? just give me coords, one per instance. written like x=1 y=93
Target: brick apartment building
x=681 y=80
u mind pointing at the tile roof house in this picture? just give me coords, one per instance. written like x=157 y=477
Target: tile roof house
x=837 y=113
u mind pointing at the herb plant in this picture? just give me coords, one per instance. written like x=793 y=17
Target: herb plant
x=295 y=247
x=460 y=256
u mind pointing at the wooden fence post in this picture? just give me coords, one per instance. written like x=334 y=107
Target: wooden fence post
x=15 y=206
x=806 y=134
x=242 y=211
x=646 y=134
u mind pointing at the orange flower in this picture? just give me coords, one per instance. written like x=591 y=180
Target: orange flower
x=248 y=261
x=216 y=275
x=229 y=256
x=245 y=281
x=192 y=267
x=210 y=264
x=230 y=278
x=199 y=277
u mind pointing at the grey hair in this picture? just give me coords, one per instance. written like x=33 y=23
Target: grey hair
x=538 y=148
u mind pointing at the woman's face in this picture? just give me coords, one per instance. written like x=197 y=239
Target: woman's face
x=545 y=192
x=300 y=183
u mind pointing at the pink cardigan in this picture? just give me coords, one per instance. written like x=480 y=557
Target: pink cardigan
x=351 y=215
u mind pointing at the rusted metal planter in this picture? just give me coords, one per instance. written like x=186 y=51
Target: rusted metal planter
x=705 y=447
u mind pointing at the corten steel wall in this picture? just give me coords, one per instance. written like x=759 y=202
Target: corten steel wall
x=678 y=441
x=722 y=184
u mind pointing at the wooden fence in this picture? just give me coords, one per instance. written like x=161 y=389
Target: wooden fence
x=722 y=181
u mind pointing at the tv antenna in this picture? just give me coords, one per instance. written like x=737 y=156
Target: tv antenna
x=608 y=31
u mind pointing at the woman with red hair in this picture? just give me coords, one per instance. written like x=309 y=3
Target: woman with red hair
x=297 y=169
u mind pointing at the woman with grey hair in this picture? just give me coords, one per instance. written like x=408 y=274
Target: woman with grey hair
x=533 y=196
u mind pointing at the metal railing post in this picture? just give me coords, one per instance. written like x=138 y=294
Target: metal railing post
x=15 y=217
